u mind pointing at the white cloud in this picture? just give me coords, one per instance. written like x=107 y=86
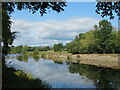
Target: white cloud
x=51 y=31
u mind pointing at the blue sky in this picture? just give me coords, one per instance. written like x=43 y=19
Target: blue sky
x=76 y=12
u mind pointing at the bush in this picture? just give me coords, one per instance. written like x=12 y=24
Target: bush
x=78 y=56
x=69 y=57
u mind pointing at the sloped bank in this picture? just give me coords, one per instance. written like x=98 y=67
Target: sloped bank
x=101 y=60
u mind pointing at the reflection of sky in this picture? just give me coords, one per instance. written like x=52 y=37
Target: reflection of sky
x=56 y=75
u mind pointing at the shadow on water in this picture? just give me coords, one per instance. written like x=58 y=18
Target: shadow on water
x=12 y=78
x=102 y=77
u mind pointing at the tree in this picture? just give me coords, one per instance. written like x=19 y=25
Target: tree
x=36 y=52
x=46 y=48
x=17 y=49
x=73 y=47
x=115 y=42
x=55 y=47
x=100 y=40
x=24 y=49
x=103 y=36
x=108 y=8
x=58 y=47
x=7 y=35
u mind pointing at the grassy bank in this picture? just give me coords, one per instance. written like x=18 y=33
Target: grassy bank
x=102 y=60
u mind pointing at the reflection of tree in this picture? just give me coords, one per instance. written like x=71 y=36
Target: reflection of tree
x=23 y=58
x=19 y=58
x=58 y=62
x=67 y=63
x=102 y=77
x=109 y=78
x=74 y=68
x=36 y=58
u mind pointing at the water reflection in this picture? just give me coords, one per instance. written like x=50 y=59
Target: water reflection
x=36 y=58
x=58 y=62
x=102 y=77
x=66 y=75
x=25 y=57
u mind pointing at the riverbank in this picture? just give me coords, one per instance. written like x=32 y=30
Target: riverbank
x=101 y=60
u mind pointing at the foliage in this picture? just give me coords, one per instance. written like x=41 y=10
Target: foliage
x=73 y=47
x=17 y=49
x=24 y=49
x=46 y=48
x=7 y=35
x=103 y=36
x=108 y=9
x=58 y=47
x=39 y=48
x=36 y=52
x=103 y=39
x=41 y=7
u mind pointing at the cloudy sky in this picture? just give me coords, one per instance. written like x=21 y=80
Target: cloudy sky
x=53 y=27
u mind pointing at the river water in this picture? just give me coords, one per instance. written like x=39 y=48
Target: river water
x=64 y=74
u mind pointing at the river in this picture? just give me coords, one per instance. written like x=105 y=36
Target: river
x=64 y=74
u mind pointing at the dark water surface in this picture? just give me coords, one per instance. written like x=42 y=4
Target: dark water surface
x=64 y=74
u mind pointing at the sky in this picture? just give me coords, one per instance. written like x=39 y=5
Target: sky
x=53 y=27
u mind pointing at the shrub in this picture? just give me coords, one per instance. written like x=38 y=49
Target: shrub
x=69 y=57
x=78 y=56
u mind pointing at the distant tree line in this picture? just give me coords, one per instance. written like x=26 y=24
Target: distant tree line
x=59 y=47
x=25 y=49
x=103 y=39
